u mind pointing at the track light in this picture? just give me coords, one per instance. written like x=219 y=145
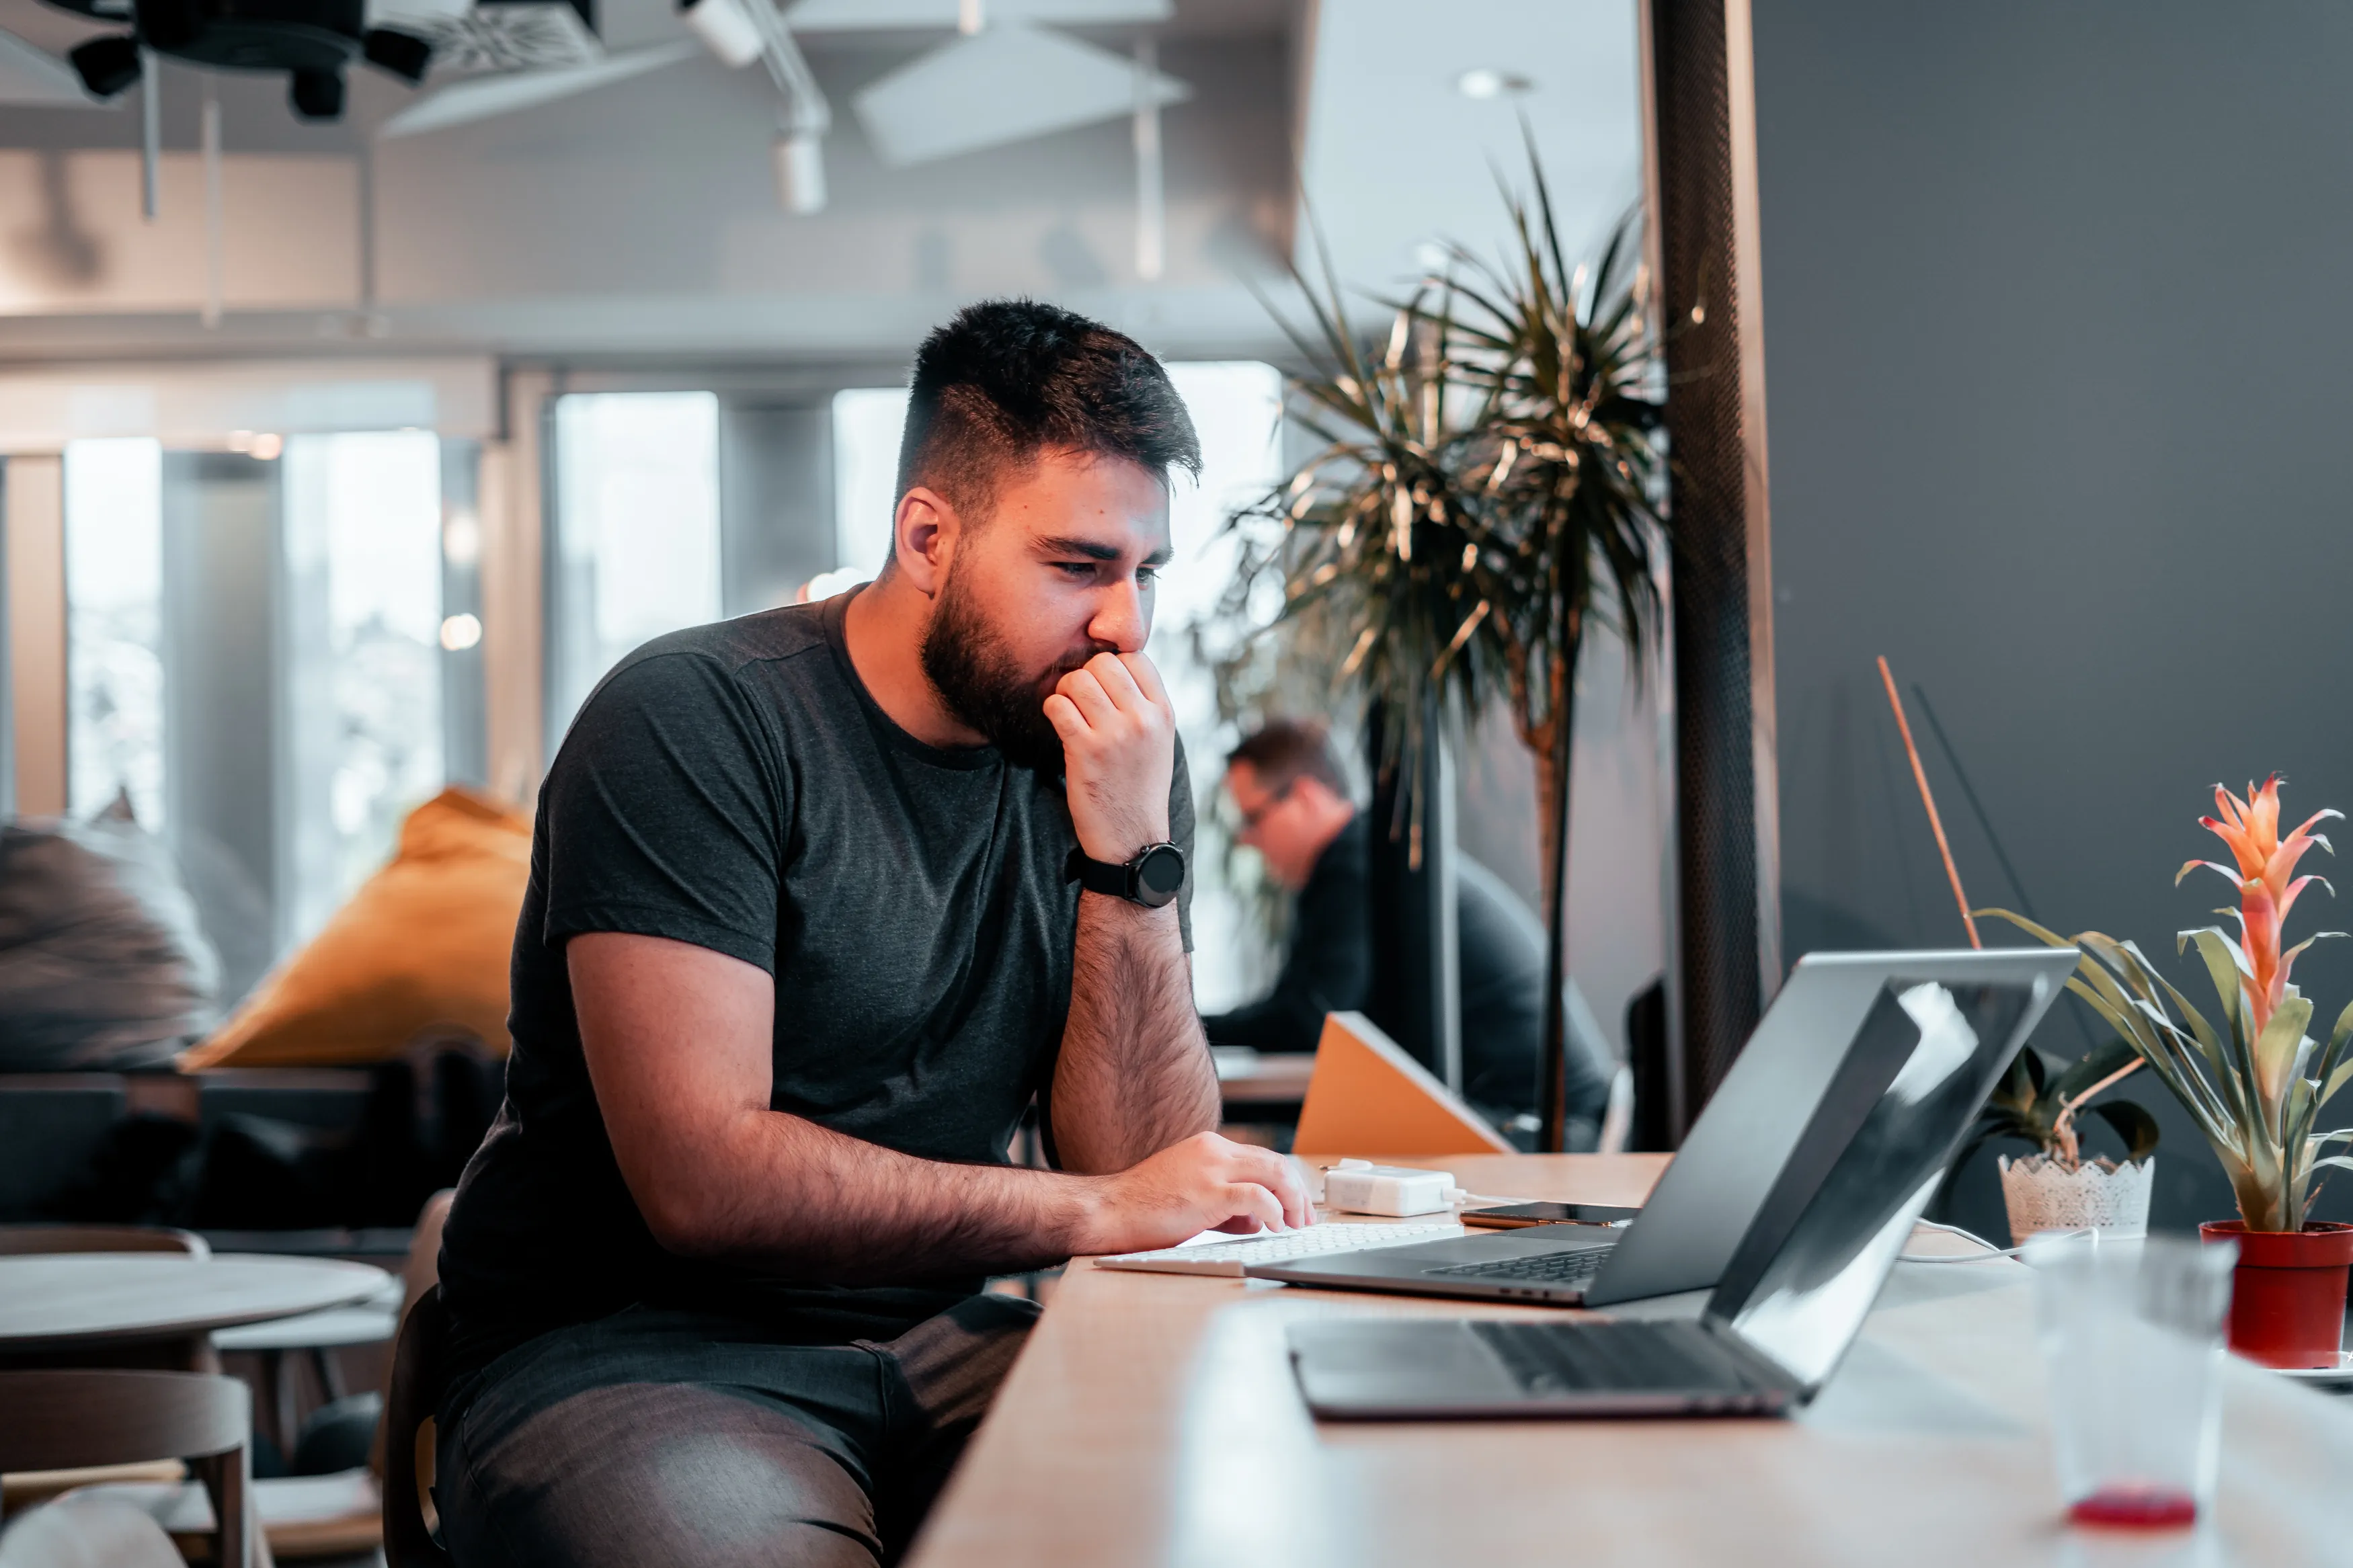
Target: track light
x=317 y=95
x=800 y=171
x=403 y=55
x=726 y=29
x=107 y=65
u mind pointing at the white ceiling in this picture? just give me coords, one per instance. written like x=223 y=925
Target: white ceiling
x=641 y=221
x=1397 y=157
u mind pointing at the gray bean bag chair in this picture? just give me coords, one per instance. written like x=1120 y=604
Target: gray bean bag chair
x=103 y=964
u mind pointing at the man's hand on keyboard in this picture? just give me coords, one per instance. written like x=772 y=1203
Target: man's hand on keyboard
x=1206 y=1182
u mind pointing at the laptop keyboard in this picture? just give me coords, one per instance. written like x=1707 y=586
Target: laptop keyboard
x=1576 y=1266
x=1589 y=1357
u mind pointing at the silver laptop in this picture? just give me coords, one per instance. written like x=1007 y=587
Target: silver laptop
x=1711 y=1195
x=1796 y=1291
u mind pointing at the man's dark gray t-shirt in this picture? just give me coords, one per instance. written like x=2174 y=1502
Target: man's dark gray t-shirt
x=734 y=786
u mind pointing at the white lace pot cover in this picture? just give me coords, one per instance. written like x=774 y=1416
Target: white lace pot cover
x=2097 y=1195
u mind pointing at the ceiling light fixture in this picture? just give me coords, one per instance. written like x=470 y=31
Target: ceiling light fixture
x=1486 y=81
x=726 y=28
x=800 y=171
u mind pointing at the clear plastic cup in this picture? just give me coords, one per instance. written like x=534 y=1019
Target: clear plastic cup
x=2132 y=1335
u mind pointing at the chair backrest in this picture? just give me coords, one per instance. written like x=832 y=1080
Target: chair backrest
x=1366 y=1096
x=423 y=1271
x=403 y=1458
x=88 y=1531
x=80 y=1419
x=417 y=1373
x=26 y=1240
x=1618 y=1120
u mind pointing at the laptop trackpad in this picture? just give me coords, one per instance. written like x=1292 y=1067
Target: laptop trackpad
x=1384 y=1363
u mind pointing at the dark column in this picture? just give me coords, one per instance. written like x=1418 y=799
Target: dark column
x=1704 y=165
x=1414 y=994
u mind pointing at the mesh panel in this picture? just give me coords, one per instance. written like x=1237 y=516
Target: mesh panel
x=1717 y=823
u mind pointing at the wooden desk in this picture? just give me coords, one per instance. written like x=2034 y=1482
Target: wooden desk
x=1152 y=1419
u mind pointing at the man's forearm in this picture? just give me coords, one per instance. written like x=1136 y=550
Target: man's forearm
x=856 y=1213
x=1133 y=1075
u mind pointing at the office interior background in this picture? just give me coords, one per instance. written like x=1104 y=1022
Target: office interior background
x=346 y=473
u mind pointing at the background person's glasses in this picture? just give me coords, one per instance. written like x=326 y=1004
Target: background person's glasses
x=1253 y=815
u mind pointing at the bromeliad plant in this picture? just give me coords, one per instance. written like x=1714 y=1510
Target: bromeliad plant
x=2255 y=1080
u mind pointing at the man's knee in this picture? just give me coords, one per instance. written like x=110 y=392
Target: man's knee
x=672 y=1473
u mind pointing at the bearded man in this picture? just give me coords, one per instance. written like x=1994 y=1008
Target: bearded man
x=820 y=899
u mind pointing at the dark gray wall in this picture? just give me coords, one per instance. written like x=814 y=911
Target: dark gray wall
x=2057 y=356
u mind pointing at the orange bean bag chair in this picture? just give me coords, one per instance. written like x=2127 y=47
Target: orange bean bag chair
x=422 y=948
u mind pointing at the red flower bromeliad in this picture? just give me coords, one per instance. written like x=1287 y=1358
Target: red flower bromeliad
x=2253 y=1078
x=2266 y=862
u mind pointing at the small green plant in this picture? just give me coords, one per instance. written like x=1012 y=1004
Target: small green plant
x=2037 y=1101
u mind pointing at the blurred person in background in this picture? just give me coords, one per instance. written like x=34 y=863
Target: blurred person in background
x=1295 y=809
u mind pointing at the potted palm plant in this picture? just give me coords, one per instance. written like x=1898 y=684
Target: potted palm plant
x=2254 y=1078
x=2056 y=1188
x=1485 y=491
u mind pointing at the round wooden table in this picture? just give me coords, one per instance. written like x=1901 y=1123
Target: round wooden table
x=157 y=1309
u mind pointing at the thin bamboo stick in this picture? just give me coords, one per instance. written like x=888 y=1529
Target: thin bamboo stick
x=1928 y=799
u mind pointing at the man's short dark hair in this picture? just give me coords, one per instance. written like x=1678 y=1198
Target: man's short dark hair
x=1283 y=751
x=1010 y=379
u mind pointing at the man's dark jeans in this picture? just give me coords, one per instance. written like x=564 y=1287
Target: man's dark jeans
x=689 y=1440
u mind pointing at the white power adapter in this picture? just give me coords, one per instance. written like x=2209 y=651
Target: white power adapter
x=1362 y=1187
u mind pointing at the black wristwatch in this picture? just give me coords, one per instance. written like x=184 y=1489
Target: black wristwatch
x=1151 y=879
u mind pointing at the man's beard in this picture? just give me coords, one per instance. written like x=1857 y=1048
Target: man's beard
x=969 y=666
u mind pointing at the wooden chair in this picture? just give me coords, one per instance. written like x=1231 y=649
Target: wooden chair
x=406 y=1437
x=73 y=1420
x=1367 y=1096
x=19 y=1490
x=86 y=1532
x=353 y=1510
x=29 y=1241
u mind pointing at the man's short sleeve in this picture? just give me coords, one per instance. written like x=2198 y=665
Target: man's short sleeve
x=665 y=812
x=1180 y=834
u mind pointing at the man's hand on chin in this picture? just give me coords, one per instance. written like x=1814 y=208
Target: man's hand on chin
x=1119 y=748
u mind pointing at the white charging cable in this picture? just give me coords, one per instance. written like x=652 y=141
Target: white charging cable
x=1459 y=1198
x=1990 y=1252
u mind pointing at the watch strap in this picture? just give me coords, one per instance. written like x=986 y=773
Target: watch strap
x=1096 y=876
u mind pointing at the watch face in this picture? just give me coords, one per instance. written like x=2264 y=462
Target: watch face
x=1159 y=874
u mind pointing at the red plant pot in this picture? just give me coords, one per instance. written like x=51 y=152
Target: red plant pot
x=2287 y=1294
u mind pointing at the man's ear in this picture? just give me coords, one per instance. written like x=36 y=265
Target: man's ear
x=924 y=538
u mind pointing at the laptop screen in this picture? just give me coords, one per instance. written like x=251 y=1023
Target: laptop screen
x=1806 y=1274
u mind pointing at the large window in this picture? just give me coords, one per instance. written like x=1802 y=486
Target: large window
x=1237 y=408
x=362 y=656
x=867 y=421
x=259 y=655
x=114 y=626
x=636 y=548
